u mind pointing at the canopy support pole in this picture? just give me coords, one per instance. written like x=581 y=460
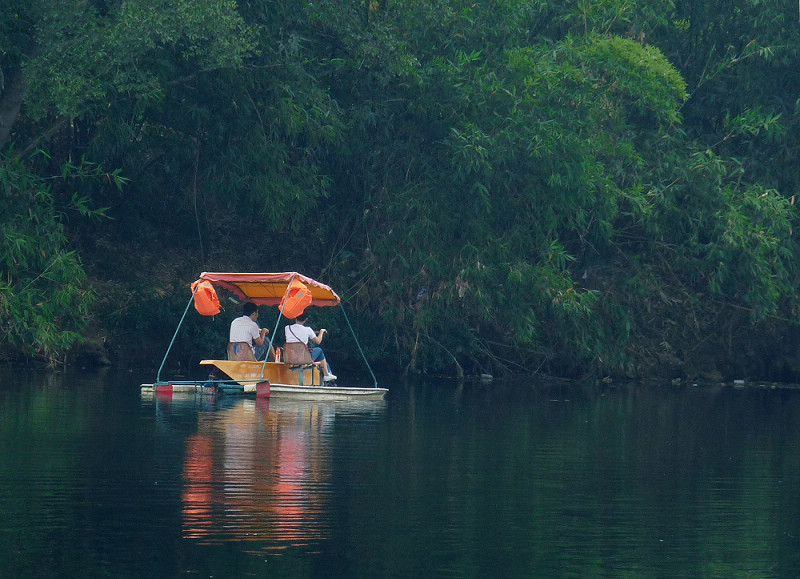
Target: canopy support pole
x=191 y=299
x=272 y=336
x=352 y=331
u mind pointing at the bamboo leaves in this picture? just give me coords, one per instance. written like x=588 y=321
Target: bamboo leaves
x=43 y=297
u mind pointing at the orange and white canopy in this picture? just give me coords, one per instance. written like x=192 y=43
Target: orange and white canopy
x=270 y=289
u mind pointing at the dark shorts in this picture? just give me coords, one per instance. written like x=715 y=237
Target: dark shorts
x=317 y=355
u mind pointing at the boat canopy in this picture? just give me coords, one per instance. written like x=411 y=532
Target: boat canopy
x=268 y=289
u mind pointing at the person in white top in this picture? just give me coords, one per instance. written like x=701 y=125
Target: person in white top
x=299 y=332
x=245 y=334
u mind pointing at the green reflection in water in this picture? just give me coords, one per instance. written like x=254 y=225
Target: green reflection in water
x=441 y=480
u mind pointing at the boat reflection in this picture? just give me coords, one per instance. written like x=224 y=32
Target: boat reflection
x=260 y=470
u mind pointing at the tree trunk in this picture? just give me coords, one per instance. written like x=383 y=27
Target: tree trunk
x=10 y=104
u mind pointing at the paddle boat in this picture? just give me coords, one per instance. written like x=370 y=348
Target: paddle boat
x=294 y=375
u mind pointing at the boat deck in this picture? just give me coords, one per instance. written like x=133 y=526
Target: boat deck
x=285 y=382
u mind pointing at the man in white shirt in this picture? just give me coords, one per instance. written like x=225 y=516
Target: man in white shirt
x=299 y=332
x=245 y=333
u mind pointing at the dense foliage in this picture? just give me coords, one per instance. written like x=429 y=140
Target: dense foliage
x=579 y=187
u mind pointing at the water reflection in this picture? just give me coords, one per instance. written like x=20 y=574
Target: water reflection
x=442 y=480
x=260 y=470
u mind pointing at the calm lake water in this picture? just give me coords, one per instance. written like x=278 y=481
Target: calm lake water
x=439 y=480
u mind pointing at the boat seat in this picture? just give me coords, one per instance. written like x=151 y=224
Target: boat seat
x=297 y=357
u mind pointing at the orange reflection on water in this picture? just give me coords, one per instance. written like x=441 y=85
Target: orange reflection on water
x=255 y=472
x=197 y=498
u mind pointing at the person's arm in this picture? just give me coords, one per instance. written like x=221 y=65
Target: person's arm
x=262 y=334
x=318 y=338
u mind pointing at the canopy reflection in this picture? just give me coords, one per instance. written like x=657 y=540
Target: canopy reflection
x=260 y=470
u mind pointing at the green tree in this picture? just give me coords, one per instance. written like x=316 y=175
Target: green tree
x=501 y=168
x=44 y=303
x=535 y=185
x=526 y=205
x=77 y=73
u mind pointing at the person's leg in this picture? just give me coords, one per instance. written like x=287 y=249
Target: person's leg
x=260 y=349
x=319 y=359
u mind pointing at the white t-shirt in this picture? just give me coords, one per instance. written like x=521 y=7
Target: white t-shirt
x=244 y=329
x=299 y=333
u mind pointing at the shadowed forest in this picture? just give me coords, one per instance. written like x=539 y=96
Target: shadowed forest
x=580 y=188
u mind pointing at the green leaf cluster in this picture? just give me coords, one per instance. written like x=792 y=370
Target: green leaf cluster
x=44 y=298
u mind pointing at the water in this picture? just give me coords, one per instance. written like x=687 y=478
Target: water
x=439 y=480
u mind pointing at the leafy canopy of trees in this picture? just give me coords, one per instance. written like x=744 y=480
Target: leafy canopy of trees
x=568 y=187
